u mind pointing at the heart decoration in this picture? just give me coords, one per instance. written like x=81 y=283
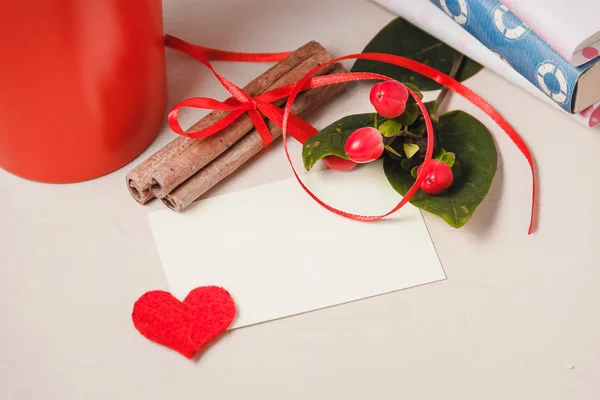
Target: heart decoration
x=184 y=326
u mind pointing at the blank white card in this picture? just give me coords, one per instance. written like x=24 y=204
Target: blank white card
x=279 y=253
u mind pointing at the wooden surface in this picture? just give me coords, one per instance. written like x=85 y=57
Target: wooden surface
x=516 y=319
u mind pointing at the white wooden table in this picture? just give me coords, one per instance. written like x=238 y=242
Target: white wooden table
x=517 y=318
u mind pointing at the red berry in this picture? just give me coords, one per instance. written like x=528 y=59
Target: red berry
x=389 y=98
x=338 y=163
x=364 y=145
x=439 y=177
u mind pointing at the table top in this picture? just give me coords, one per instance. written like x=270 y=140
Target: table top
x=515 y=318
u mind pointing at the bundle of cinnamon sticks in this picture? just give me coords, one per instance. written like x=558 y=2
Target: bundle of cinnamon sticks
x=183 y=170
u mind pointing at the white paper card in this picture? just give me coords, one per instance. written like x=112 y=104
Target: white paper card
x=279 y=253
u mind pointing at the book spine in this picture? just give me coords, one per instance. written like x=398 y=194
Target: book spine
x=509 y=38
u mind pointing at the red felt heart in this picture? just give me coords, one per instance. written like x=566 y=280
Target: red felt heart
x=184 y=326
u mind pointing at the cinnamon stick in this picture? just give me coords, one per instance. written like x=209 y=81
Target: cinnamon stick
x=246 y=148
x=139 y=179
x=174 y=172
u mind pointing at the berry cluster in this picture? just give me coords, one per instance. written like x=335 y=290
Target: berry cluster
x=367 y=144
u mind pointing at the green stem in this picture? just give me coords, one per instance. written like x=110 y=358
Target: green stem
x=375 y=121
x=411 y=135
x=456 y=67
x=394 y=152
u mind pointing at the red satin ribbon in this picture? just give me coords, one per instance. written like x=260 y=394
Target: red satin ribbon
x=260 y=106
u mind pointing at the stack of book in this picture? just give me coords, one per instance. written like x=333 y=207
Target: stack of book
x=549 y=47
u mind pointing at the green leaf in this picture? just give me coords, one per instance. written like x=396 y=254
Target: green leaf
x=405 y=164
x=390 y=128
x=330 y=140
x=410 y=149
x=439 y=153
x=431 y=107
x=409 y=116
x=448 y=158
x=414 y=89
x=324 y=144
x=469 y=139
x=413 y=172
x=402 y=38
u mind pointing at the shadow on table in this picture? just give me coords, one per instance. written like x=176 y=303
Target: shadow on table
x=486 y=215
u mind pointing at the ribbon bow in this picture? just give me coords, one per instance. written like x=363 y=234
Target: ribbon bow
x=259 y=106
x=240 y=102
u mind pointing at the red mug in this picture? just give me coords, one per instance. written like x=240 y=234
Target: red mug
x=82 y=85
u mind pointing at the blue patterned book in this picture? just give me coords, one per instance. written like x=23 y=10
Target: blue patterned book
x=572 y=88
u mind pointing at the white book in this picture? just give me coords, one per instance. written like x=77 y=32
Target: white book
x=434 y=21
x=571 y=28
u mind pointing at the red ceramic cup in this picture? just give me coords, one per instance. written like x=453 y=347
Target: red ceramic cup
x=82 y=85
